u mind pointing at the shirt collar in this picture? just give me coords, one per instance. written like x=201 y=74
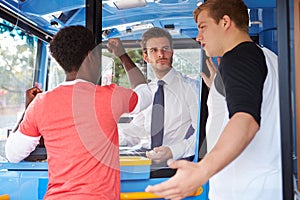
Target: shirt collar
x=73 y=82
x=168 y=77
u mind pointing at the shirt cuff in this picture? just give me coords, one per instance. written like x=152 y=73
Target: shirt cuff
x=177 y=151
x=184 y=149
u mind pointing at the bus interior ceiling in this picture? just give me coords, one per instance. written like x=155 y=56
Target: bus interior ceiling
x=128 y=19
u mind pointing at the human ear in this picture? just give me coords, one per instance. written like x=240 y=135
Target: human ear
x=226 y=21
x=145 y=57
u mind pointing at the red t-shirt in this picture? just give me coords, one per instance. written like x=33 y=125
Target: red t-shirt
x=79 y=126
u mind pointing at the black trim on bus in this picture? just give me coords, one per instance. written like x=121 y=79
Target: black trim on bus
x=24 y=24
x=94 y=18
x=93 y=14
x=285 y=91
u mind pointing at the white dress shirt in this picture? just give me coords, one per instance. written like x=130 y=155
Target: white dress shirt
x=181 y=111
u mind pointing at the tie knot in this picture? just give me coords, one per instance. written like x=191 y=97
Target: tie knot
x=160 y=82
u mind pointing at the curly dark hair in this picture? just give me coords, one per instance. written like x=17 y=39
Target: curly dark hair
x=70 y=45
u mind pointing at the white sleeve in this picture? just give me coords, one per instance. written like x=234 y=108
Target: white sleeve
x=187 y=147
x=144 y=98
x=18 y=146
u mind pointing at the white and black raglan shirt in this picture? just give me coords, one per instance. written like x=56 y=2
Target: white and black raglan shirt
x=247 y=81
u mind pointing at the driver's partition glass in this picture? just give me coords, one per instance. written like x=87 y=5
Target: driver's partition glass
x=179 y=67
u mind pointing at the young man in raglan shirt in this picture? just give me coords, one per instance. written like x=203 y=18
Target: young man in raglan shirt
x=243 y=126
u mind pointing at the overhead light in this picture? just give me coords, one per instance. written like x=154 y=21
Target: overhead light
x=122 y=4
x=139 y=27
x=174 y=32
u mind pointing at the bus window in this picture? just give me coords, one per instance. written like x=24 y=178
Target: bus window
x=56 y=74
x=113 y=70
x=17 y=60
x=108 y=68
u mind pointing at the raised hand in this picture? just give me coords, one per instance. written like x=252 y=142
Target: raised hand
x=115 y=46
x=212 y=70
x=31 y=93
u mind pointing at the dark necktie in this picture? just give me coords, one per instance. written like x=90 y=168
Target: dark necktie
x=157 y=119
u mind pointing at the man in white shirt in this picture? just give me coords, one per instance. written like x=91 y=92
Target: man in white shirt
x=180 y=97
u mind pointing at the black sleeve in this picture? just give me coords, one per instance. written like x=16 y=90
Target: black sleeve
x=244 y=71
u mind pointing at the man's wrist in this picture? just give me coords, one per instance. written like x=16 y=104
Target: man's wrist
x=123 y=55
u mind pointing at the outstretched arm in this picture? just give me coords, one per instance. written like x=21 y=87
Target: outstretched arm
x=18 y=145
x=235 y=138
x=134 y=74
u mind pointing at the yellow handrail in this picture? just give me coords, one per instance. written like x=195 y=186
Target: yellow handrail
x=148 y=195
x=4 y=197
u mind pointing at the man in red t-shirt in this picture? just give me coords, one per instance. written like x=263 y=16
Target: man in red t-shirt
x=78 y=121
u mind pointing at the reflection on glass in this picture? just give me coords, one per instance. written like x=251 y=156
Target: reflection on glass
x=134 y=130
